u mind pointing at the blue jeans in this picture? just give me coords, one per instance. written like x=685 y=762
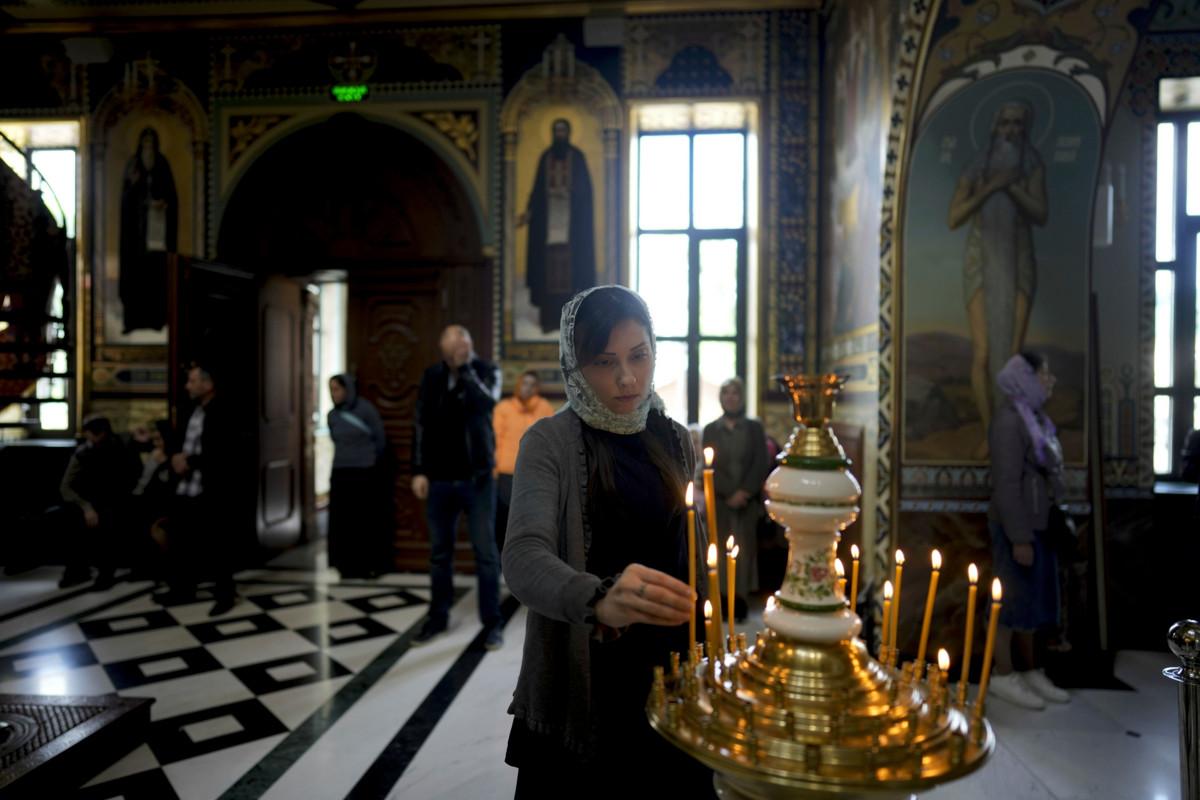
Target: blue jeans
x=447 y=499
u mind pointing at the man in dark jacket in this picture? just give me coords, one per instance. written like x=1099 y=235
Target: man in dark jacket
x=207 y=502
x=95 y=490
x=453 y=459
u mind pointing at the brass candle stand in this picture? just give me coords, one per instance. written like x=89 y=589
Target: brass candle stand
x=805 y=711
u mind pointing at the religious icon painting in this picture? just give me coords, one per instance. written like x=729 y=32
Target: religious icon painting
x=993 y=207
x=560 y=132
x=147 y=176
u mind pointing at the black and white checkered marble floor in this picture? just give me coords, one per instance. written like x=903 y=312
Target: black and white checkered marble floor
x=310 y=689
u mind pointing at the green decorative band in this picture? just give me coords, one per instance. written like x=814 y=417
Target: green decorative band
x=826 y=463
x=804 y=502
x=794 y=606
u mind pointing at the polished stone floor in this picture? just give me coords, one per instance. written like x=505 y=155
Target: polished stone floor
x=310 y=689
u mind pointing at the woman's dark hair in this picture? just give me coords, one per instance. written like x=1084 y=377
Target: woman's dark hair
x=598 y=314
x=1034 y=359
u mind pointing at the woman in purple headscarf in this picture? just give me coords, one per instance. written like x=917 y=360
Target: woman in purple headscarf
x=1026 y=482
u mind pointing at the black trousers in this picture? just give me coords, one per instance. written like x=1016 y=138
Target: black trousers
x=201 y=544
x=359 y=542
x=83 y=547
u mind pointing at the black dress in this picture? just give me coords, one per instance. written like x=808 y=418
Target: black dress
x=647 y=526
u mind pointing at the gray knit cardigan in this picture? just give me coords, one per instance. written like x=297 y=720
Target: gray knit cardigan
x=545 y=558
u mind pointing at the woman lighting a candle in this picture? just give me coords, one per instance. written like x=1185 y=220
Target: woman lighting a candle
x=597 y=550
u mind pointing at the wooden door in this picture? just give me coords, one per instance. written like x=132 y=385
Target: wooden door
x=281 y=412
x=393 y=323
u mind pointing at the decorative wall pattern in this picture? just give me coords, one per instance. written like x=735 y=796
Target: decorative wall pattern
x=791 y=261
x=695 y=56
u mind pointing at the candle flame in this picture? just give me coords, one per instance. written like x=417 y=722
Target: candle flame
x=854 y=552
x=712 y=556
x=690 y=495
x=708 y=456
x=708 y=610
x=770 y=604
x=943 y=659
x=736 y=549
x=887 y=590
x=996 y=592
x=729 y=544
x=937 y=559
x=973 y=574
x=839 y=568
x=900 y=557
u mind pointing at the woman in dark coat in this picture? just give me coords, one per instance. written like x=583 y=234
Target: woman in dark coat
x=360 y=499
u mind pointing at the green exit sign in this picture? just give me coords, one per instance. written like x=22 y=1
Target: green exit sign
x=349 y=93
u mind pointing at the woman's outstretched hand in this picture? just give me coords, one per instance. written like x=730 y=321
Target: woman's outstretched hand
x=645 y=595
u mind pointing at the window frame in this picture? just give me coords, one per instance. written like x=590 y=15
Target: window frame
x=69 y=323
x=742 y=236
x=1184 y=388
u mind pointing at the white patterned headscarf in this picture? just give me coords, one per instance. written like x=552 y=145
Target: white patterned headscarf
x=581 y=398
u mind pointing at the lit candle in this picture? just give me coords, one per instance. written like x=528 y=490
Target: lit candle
x=893 y=640
x=731 y=551
x=853 y=577
x=989 y=647
x=936 y=559
x=710 y=497
x=714 y=591
x=943 y=663
x=840 y=569
x=691 y=534
x=887 y=619
x=709 y=634
x=973 y=577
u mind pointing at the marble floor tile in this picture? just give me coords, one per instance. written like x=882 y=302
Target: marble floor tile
x=1077 y=765
x=323 y=613
x=61 y=636
x=357 y=655
x=463 y=757
x=137 y=760
x=340 y=757
x=141 y=603
x=178 y=696
x=90 y=679
x=1003 y=777
x=261 y=647
x=197 y=613
x=401 y=619
x=206 y=777
x=67 y=609
x=293 y=706
x=28 y=588
x=1077 y=715
x=133 y=645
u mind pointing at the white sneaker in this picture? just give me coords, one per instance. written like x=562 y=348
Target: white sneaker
x=1012 y=688
x=1037 y=680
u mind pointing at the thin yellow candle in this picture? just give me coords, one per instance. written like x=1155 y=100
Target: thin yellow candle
x=853 y=576
x=887 y=619
x=710 y=497
x=943 y=664
x=731 y=551
x=691 y=550
x=973 y=577
x=894 y=641
x=840 y=569
x=936 y=559
x=989 y=648
x=714 y=590
x=709 y=634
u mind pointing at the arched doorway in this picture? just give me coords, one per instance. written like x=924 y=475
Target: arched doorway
x=376 y=204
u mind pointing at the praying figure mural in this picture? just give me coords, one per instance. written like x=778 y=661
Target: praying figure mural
x=1001 y=195
x=560 y=254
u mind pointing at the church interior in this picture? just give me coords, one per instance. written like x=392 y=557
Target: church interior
x=242 y=241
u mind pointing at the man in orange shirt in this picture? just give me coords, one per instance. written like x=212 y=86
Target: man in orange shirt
x=510 y=419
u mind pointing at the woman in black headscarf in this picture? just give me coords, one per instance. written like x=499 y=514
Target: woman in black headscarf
x=360 y=500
